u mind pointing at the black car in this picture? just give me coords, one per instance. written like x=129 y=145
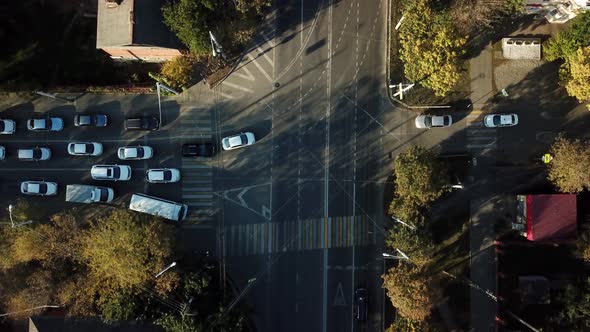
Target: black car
x=142 y=123
x=90 y=120
x=198 y=150
x=360 y=304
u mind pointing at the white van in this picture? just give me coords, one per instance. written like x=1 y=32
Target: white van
x=158 y=207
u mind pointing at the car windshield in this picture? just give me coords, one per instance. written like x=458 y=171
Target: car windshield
x=427 y=121
x=89 y=148
x=103 y=194
x=244 y=138
x=37 y=153
x=167 y=175
x=2 y=126
x=116 y=172
x=496 y=120
x=446 y=121
x=42 y=188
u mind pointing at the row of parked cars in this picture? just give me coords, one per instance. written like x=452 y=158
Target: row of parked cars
x=8 y=126
x=38 y=153
x=491 y=121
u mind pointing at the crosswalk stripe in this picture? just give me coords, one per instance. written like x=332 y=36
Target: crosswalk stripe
x=237 y=86
x=199 y=204
x=248 y=76
x=259 y=67
x=266 y=57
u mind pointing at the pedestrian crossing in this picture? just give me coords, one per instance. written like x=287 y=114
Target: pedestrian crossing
x=479 y=137
x=310 y=234
x=196 y=126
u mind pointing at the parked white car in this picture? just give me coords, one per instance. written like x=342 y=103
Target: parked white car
x=135 y=152
x=85 y=149
x=34 y=154
x=46 y=124
x=162 y=175
x=38 y=188
x=111 y=172
x=500 y=120
x=7 y=126
x=433 y=121
x=238 y=141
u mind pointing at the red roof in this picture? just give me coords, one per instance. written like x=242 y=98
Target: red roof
x=551 y=217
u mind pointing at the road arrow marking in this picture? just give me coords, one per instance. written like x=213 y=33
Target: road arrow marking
x=339 y=298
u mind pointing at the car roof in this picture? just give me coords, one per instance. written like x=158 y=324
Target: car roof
x=235 y=140
x=438 y=120
x=157 y=174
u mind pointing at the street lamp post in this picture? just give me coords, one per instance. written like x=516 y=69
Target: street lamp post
x=10 y=207
x=160 y=86
x=400 y=253
x=173 y=264
x=403 y=223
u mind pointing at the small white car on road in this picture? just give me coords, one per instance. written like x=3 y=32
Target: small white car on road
x=500 y=120
x=7 y=126
x=85 y=149
x=433 y=121
x=111 y=172
x=34 y=154
x=238 y=141
x=162 y=175
x=139 y=152
x=2 y=153
x=38 y=188
x=46 y=124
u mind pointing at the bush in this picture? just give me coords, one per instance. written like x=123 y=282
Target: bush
x=569 y=169
x=578 y=84
x=180 y=72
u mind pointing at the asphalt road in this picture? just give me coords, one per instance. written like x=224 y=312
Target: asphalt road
x=303 y=208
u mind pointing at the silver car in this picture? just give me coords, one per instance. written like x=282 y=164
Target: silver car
x=85 y=149
x=34 y=154
x=433 y=121
x=500 y=120
x=162 y=175
x=139 y=152
x=7 y=126
x=46 y=124
x=238 y=141
x=111 y=172
x=38 y=188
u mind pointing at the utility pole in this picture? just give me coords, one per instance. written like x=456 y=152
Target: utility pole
x=52 y=95
x=217 y=49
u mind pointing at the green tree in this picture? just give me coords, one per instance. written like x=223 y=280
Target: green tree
x=414 y=243
x=575 y=300
x=419 y=176
x=126 y=249
x=191 y=21
x=569 y=169
x=180 y=72
x=411 y=291
x=583 y=246
x=431 y=47
x=579 y=83
x=565 y=43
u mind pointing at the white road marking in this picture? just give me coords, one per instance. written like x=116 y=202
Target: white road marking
x=259 y=67
x=248 y=76
x=263 y=52
x=237 y=86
